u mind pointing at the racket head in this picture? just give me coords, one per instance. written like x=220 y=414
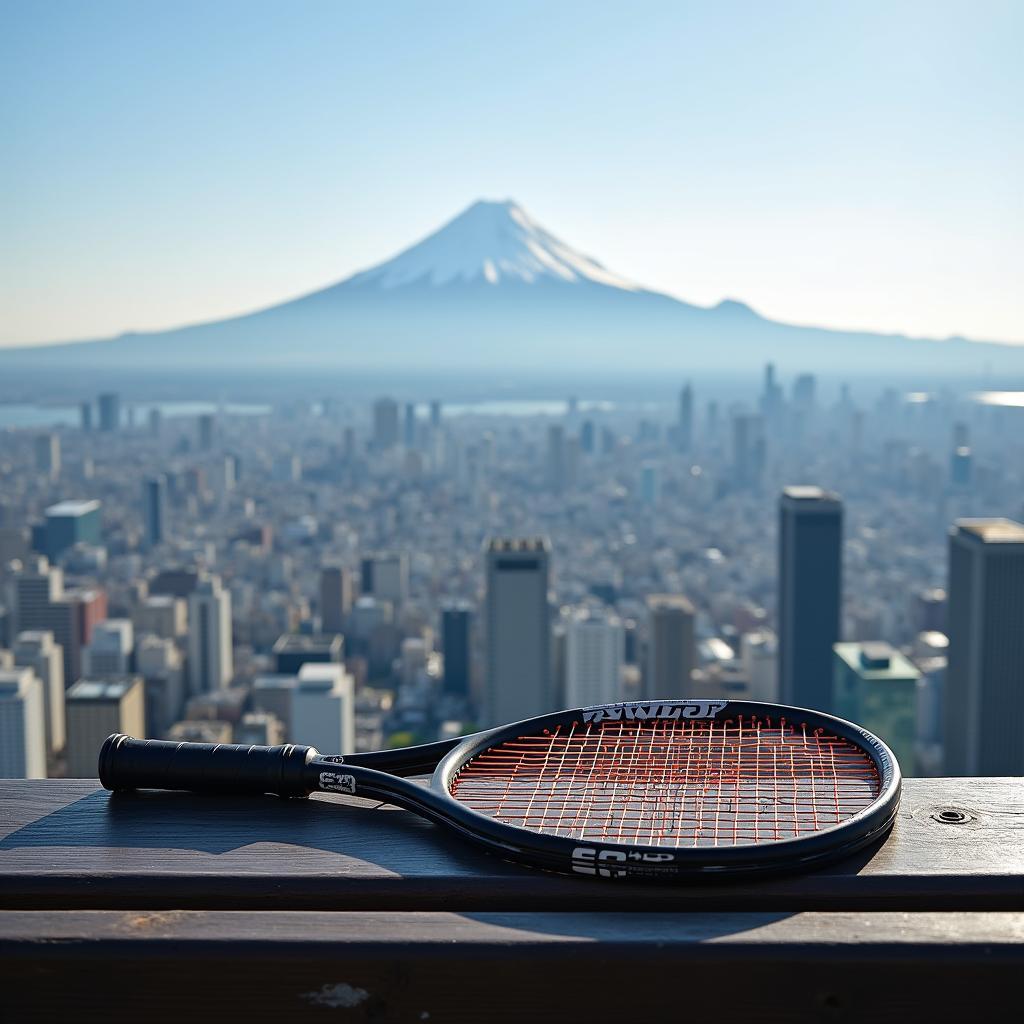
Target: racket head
x=670 y=788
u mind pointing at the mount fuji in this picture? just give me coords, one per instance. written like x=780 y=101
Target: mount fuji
x=493 y=290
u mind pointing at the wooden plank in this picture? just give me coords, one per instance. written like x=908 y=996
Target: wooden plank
x=69 y=844
x=508 y=966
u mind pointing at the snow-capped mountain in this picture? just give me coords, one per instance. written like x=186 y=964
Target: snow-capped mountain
x=491 y=242
x=492 y=290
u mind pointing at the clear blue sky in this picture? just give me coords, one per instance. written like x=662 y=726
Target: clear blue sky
x=851 y=164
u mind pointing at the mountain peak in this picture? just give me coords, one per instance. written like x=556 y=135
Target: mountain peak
x=491 y=242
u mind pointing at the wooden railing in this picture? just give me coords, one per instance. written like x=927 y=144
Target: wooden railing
x=161 y=906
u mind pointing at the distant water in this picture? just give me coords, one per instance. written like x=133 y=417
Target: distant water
x=1009 y=399
x=20 y=414
x=518 y=407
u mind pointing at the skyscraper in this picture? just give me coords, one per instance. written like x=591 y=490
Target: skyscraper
x=35 y=649
x=154 y=508
x=207 y=425
x=554 y=465
x=68 y=523
x=685 y=424
x=876 y=687
x=95 y=710
x=385 y=423
x=385 y=576
x=810 y=594
x=47 y=449
x=518 y=630
x=209 y=636
x=335 y=598
x=456 y=644
x=671 y=649
x=109 y=652
x=984 y=691
x=110 y=411
x=594 y=643
x=22 y=725
x=409 y=425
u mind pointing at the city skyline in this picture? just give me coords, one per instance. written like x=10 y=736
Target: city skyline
x=854 y=169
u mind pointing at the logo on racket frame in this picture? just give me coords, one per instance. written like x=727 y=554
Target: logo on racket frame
x=586 y=860
x=645 y=710
x=337 y=783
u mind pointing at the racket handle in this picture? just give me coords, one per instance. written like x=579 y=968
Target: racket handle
x=127 y=763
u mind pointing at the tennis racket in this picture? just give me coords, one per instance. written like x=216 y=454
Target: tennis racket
x=656 y=790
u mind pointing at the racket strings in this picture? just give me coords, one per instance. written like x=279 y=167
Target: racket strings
x=673 y=783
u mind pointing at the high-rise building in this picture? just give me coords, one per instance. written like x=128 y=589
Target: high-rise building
x=759 y=658
x=42 y=602
x=207 y=425
x=554 y=464
x=47 y=449
x=35 y=649
x=68 y=523
x=876 y=687
x=409 y=425
x=85 y=416
x=984 y=687
x=385 y=423
x=22 y=725
x=685 y=423
x=158 y=660
x=518 y=630
x=95 y=709
x=748 y=450
x=385 y=576
x=109 y=652
x=110 y=411
x=650 y=483
x=154 y=509
x=810 y=594
x=671 y=647
x=456 y=644
x=593 y=657
x=210 y=663
x=804 y=388
x=163 y=615
x=435 y=414
x=335 y=598
x=323 y=709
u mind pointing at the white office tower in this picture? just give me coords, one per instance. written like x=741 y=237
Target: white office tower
x=209 y=636
x=323 y=708
x=518 y=630
x=671 y=648
x=594 y=647
x=22 y=725
x=759 y=657
x=109 y=653
x=47 y=448
x=95 y=709
x=37 y=650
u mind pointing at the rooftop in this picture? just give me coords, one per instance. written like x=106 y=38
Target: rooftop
x=307 y=642
x=876 y=661
x=992 y=531
x=101 y=689
x=518 y=544
x=810 y=494
x=73 y=508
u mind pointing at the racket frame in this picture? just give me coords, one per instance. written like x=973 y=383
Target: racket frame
x=378 y=776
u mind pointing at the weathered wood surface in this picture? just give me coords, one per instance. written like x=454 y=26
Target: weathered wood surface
x=470 y=967
x=69 y=844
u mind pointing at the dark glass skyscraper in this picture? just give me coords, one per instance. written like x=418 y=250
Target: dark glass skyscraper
x=456 y=622
x=810 y=594
x=984 y=692
x=154 y=502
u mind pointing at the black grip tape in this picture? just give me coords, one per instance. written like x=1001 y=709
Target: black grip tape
x=127 y=763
